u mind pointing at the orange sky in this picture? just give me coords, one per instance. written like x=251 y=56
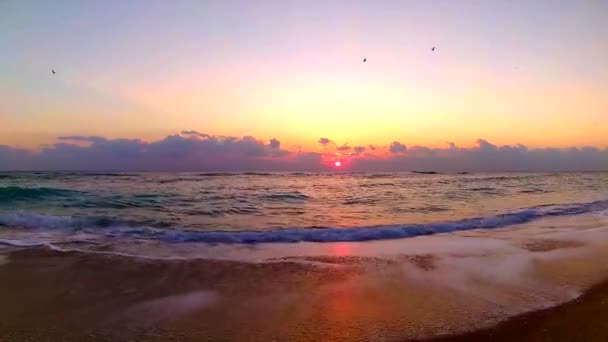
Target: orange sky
x=501 y=71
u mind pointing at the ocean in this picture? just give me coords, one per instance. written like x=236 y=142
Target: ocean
x=281 y=207
x=292 y=256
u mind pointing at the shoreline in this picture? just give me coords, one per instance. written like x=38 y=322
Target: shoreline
x=581 y=319
x=68 y=296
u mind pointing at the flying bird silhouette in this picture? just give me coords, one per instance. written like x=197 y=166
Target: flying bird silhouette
x=433 y=49
x=364 y=60
x=53 y=70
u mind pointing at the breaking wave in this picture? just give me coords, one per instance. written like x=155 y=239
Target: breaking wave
x=116 y=229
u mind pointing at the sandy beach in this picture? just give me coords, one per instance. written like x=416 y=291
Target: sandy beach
x=546 y=289
x=582 y=319
x=50 y=296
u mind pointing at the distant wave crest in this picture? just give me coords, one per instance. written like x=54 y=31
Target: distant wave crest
x=17 y=193
x=116 y=229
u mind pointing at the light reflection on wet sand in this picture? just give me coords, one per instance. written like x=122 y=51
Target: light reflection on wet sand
x=388 y=290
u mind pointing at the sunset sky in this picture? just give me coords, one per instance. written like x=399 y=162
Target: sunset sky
x=529 y=72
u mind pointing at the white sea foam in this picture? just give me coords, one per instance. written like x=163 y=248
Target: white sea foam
x=21 y=243
x=172 y=307
x=474 y=277
x=290 y=235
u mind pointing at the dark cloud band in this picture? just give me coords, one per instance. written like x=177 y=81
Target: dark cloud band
x=194 y=151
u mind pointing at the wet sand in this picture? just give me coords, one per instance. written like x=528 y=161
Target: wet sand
x=71 y=296
x=583 y=319
x=527 y=283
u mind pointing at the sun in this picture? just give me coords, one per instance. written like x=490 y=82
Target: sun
x=337 y=164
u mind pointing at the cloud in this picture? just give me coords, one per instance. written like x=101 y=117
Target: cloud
x=195 y=133
x=198 y=152
x=451 y=145
x=397 y=147
x=358 y=149
x=485 y=156
x=325 y=141
x=274 y=143
x=173 y=153
x=420 y=151
x=81 y=138
x=343 y=148
x=484 y=145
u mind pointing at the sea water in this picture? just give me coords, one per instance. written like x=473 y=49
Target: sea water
x=249 y=208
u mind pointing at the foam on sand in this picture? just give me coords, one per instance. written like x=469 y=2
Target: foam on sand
x=3 y=259
x=384 y=290
x=172 y=307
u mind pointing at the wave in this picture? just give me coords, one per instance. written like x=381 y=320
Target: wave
x=21 y=243
x=217 y=174
x=78 y=199
x=426 y=172
x=242 y=210
x=34 y=243
x=103 y=174
x=534 y=191
x=286 y=196
x=361 y=200
x=487 y=190
x=302 y=174
x=231 y=174
x=428 y=209
x=213 y=174
x=516 y=176
x=376 y=185
x=381 y=175
x=114 y=229
x=17 y=193
x=177 y=180
x=70 y=223
x=119 y=202
x=60 y=174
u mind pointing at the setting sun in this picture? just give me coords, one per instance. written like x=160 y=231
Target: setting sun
x=337 y=164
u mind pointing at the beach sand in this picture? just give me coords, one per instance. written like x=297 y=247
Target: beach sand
x=56 y=296
x=582 y=319
x=533 y=282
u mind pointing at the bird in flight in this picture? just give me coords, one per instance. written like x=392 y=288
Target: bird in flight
x=364 y=60
x=433 y=49
x=53 y=71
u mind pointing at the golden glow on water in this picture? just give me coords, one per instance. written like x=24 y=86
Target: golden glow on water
x=341 y=249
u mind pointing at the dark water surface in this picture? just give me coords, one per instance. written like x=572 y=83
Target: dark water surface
x=286 y=207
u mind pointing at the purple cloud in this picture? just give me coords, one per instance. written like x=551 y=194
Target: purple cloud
x=397 y=147
x=274 y=143
x=325 y=141
x=420 y=151
x=485 y=146
x=343 y=148
x=81 y=138
x=195 y=133
x=358 y=149
x=195 y=152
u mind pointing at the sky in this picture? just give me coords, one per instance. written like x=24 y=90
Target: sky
x=509 y=73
